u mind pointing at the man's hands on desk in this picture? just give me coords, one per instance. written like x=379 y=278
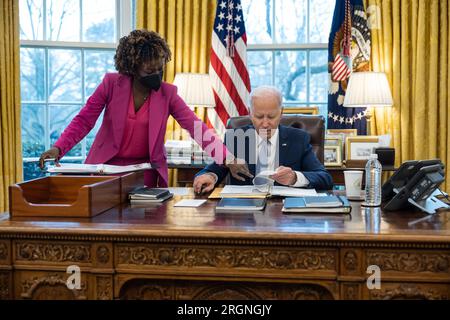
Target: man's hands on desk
x=205 y=183
x=238 y=168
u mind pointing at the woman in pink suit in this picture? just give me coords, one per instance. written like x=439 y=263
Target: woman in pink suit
x=137 y=105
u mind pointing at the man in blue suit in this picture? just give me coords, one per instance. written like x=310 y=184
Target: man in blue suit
x=268 y=147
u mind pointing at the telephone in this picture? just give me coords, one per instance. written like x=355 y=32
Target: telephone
x=415 y=183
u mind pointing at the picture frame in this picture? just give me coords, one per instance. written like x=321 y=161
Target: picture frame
x=360 y=147
x=312 y=110
x=346 y=132
x=335 y=140
x=332 y=156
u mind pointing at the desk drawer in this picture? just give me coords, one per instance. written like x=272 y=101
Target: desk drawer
x=405 y=291
x=414 y=265
x=227 y=261
x=62 y=254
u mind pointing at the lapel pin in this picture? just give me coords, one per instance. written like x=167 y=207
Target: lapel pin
x=284 y=145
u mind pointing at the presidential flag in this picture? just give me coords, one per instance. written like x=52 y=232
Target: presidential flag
x=228 y=65
x=348 y=51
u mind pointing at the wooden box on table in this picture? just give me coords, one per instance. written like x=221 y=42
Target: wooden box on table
x=71 y=196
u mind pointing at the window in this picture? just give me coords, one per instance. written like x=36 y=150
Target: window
x=66 y=47
x=288 y=48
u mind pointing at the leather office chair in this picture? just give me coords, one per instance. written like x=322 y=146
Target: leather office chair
x=314 y=125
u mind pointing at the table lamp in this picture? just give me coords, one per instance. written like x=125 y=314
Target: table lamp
x=195 y=89
x=366 y=90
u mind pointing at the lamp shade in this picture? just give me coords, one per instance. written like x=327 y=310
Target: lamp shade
x=368 y=89
x=195 y=89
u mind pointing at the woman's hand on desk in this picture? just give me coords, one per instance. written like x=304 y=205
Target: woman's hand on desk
x=52 y=153
x=204 y=183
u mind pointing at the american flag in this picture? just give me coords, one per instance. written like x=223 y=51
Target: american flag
x=342 y=68
x=228 y=65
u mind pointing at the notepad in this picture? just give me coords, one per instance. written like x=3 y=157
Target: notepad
x=150 y=200
x=240 y=204
x=326 y=204
x=323 y=202
x=147 y=193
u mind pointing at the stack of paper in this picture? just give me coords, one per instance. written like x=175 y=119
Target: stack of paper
x=179 y=151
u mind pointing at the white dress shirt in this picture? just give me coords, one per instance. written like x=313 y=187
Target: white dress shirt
x=273 y=158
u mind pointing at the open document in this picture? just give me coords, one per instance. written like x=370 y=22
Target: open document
x=97 y=168
x=250 y=191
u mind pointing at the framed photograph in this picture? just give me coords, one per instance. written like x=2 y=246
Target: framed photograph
x=332 y=156
x=335 y=140
x=360 y=147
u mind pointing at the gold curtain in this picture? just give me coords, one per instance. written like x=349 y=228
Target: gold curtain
x=187 y=27
x=10 y=142
x=410 y=42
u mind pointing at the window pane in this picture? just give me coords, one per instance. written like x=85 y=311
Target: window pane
x=318 y=82
x=97 y=63
x=99 y=20
x=63 y=20
x=65 y=75
x=260 y=67
x=31 y=170
x=290 y=74
x=290 y=21
x=33 y=130
x=258 y=20
x=321 y=16
x=323 y=111
x=31 y=21
x=32 y=74
x=60 y=117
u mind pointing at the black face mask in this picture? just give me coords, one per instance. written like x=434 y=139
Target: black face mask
x=152 y=81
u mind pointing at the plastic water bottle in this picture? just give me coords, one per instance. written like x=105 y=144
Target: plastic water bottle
x=373 y=182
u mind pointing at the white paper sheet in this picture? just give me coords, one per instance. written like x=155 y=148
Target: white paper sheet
x=179 y=191
x=236 y=189
x=189 y=203
x=276 y=191
x=292 y=192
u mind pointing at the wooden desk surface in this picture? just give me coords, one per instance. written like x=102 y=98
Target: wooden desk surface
x=166 y=220
x=162 y=252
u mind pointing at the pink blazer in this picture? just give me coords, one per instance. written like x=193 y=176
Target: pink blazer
x=113 y=95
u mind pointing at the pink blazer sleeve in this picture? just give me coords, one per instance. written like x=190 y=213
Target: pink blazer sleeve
x=205 y=137
x=85 y=120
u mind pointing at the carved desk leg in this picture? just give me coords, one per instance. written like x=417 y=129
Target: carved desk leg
x=103 y=262
x=5 y=270
x=351 y=273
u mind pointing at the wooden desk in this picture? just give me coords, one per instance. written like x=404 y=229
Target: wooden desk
x=187 y=172
x=162 y=252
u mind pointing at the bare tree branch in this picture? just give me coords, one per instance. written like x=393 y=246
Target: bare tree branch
x=268 y=18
